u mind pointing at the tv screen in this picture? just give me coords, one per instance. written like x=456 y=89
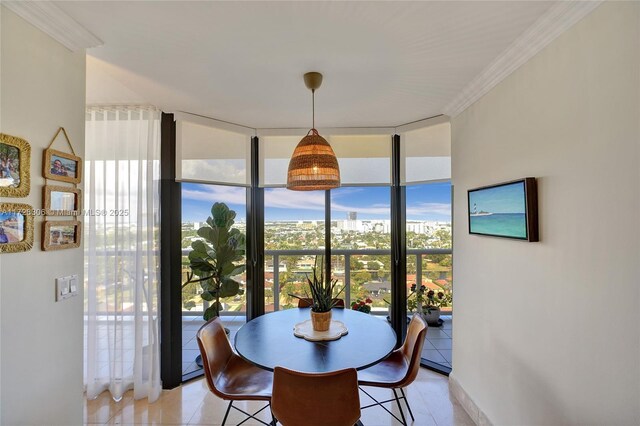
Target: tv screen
x=505 y=210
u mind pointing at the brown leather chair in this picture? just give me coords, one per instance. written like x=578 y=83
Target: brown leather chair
x=399 y=369
x=315 y=399
x=229 y=376
x=307 y=302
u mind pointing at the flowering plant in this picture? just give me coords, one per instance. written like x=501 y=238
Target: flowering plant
x=362 y=305
x=426 y=301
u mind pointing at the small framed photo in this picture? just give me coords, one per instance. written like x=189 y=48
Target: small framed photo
x=15 y=154
x=59 y=235
x=61 y=200
x=62 y=166
x=16 y=227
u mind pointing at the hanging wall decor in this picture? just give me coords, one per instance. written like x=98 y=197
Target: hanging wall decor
x=15 y=156
x=61 y=200
x=62 y=166
x=60 y=235
x=16 y=227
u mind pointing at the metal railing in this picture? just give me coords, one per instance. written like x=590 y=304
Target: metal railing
x=347 y=253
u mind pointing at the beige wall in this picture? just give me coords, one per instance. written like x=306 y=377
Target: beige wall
x=548 y=333
x=42 y=87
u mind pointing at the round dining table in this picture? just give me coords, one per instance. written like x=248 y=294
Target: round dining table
x=268 y=341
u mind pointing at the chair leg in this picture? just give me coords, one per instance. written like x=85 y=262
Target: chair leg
x=406 y=401
x=379 y=403
x=404 y=421
x=227 y=413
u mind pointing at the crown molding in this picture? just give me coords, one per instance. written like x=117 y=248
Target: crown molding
x=52 y=20
x=555 y=21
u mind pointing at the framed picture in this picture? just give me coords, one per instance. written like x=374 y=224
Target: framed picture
x=59 y=235
x=16 y=227
x=61 y=200
x=15 y=156
x=508 y=210
x=62 y=166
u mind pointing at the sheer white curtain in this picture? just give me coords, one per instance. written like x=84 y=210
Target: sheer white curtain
x=121 y=199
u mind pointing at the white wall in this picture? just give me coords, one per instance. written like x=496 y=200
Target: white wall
x=42 y=87
x=548 y=333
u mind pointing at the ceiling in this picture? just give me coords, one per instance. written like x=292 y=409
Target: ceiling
x=384 y=63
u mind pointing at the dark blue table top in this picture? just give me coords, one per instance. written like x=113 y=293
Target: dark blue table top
x=268 y=341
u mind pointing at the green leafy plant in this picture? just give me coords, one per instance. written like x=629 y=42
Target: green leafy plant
x=215 y=259
x=322 y=292
x=428 y=300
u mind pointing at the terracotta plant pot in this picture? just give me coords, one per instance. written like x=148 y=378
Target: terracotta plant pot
x=321 y=320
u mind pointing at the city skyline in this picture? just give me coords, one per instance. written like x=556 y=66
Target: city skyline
x=427 y=202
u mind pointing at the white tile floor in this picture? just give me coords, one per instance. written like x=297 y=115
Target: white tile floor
x=193 y=404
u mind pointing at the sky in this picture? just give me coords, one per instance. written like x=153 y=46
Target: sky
x=424 y=202
x=500 y=199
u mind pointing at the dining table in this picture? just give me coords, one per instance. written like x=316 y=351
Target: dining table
x=268 y=341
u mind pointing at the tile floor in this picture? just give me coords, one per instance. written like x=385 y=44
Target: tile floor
x=193 y=404
x=437 y=347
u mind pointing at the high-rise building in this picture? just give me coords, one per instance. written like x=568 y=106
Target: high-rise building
x=352 y=215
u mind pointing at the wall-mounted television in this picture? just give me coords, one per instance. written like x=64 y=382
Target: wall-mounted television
x=508 y=210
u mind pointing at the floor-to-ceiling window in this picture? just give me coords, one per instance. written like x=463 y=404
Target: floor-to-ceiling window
x=353 y=222
x=213 y=167
x=426 y=173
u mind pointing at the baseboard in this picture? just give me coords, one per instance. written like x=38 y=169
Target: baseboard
x=477 y=415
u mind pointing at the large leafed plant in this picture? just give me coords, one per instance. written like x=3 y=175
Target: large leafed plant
x=216 y=258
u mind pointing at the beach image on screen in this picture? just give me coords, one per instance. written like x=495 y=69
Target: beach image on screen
x=63 y=166
x=498 y=211
x=11 y=227
x=63 y=200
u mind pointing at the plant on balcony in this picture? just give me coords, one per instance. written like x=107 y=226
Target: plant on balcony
x=428 y=302
x=362 y=305
x=214 y=260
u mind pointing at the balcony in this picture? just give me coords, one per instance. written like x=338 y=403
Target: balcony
x=437 y=347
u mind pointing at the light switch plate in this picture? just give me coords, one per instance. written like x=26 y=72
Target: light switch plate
x=62 y=288
x=73 y=285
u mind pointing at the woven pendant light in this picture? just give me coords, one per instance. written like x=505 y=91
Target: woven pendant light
x=313 y=165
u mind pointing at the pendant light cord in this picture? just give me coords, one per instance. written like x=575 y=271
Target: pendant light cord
x=313 y=108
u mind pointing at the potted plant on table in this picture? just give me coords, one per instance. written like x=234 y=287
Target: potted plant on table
x=323 y=300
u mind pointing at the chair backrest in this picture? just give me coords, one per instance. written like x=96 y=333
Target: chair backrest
x=412 y=347
x=315 y=399
x=215 y=350
x=307 y=302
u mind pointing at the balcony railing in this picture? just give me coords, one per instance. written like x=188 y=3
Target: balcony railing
x=348 y=255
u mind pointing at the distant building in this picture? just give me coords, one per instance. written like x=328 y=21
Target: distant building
x=352 y=215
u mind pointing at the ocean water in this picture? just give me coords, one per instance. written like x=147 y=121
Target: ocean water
x=503 y=224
